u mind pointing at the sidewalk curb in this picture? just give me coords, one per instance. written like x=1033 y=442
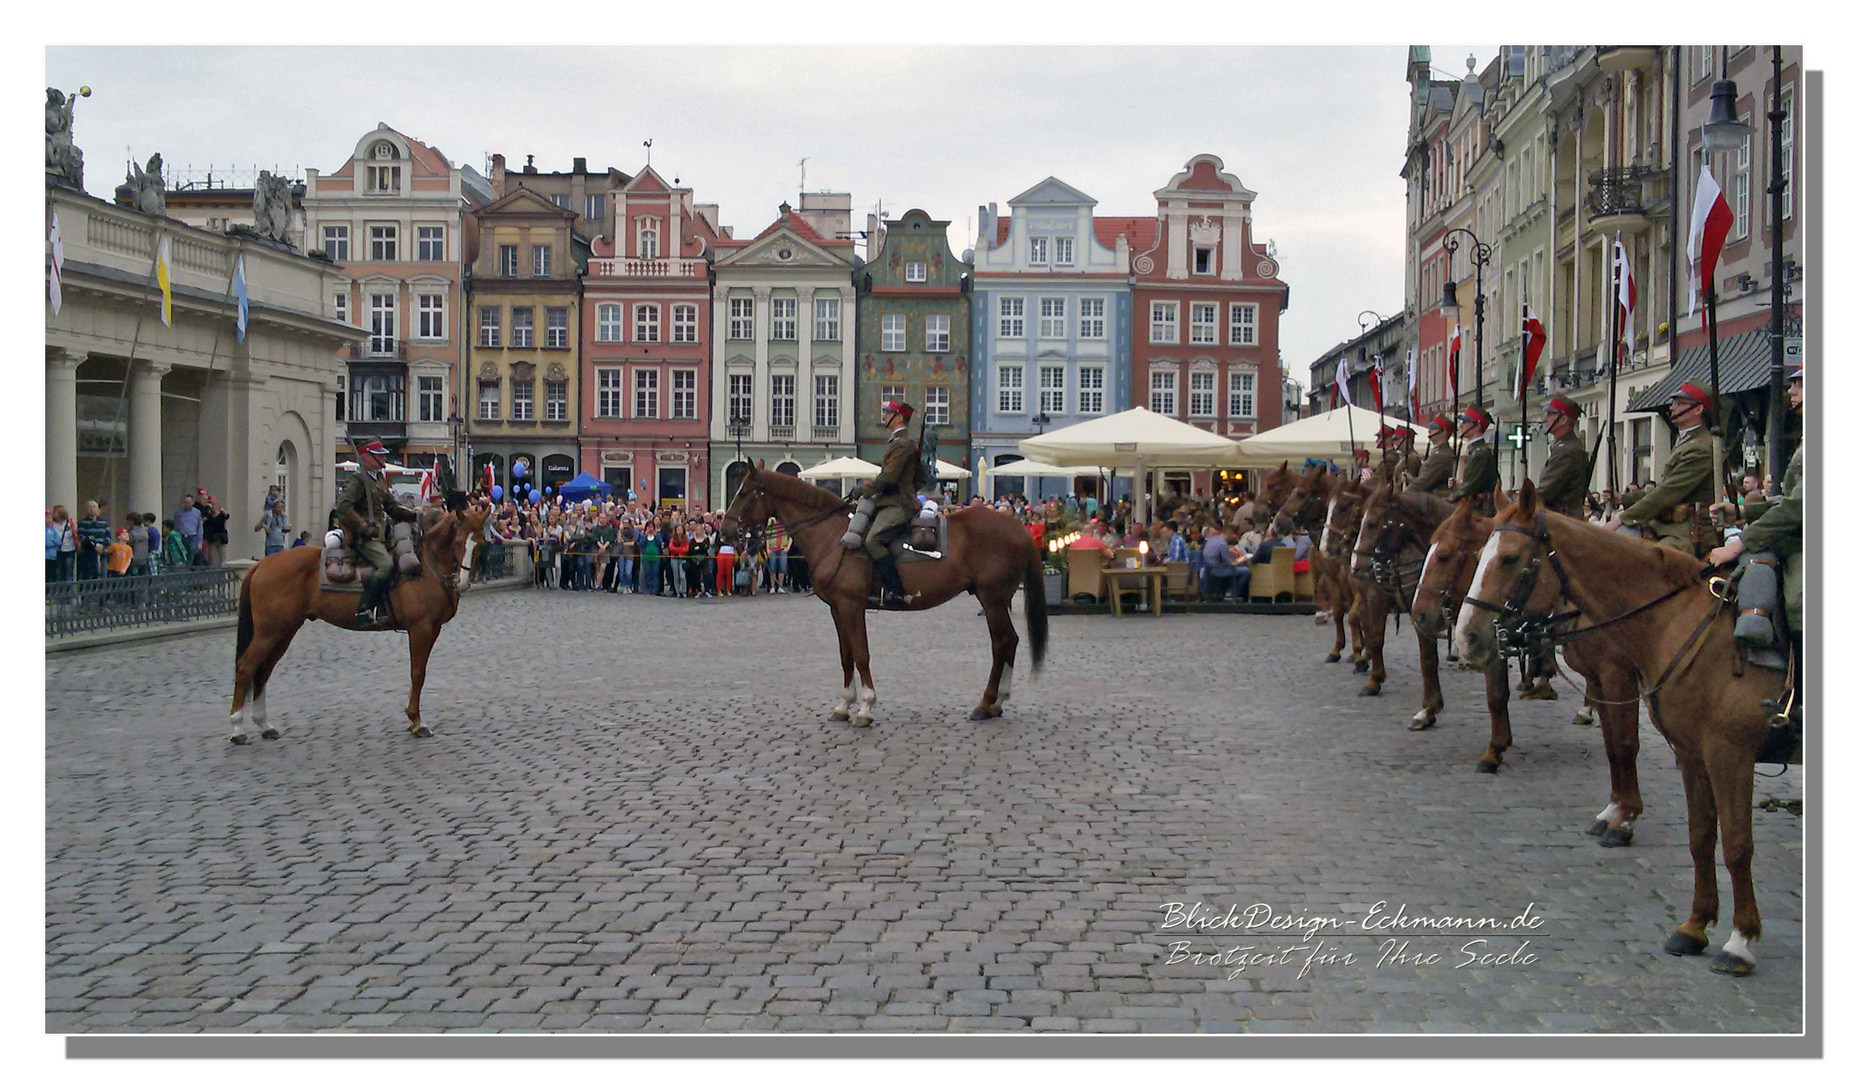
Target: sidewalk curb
x=223 y=622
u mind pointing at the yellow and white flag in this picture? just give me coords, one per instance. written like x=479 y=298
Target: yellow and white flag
x=163 y=273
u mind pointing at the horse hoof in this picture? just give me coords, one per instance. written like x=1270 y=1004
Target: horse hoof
x=1361 y=667
x=1585 y=716
x=271 y=733
x=422 y=732
x=840 y=716
x=1321 y=619
x=1370 y=690
x=1680 y=944
x=1729 y=964
x=1422 y=723
x=240 y=739
x=1597 y=828
x=863 y=721
x=1488 y=766
x=1617 y=836
x=980 y=714
x=1333 y=658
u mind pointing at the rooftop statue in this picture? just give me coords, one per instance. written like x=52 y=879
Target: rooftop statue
x=272 y=202
x=63 y=160
x=148 y=186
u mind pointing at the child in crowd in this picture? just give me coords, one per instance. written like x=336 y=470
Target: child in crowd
x=119 y=554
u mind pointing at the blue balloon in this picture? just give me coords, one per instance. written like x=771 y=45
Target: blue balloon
x=532 y=497
x=519 y=469
x=495 y=491
x=548 y=489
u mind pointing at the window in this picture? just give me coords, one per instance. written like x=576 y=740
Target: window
x=1163 y=319
x=686 y=324
x=610 y=392
x=609 y=322
x=1053 y=389
x=648 y=322
x=430 y=243
x=523 y=328
x=648 y=242
x=827 y=401
x=741 y=328
x=1784 y=153
x=490 y=328
x=1036 y=251
x=382 y=178
x=340 y=399
x=683 y=404
x=828 y=319
x=378 y=398
x=384 y=243
x=1242 y=324
x=430 y=399
x=432 y=323
x=1010 y=383
x=510 y=260
x=914 y=271
x=1742 y=194
x=648 y=393
x=1091 y=390
x=739 y=402
x=783 y=320
x=1203 y=324
x=542 y=260
x=1203 y=260
x=384 y=339
x=1013 y=320
x=557 y=334
x=1052 y=317
x=488 y=401
x=334 y=242
x=891 y=392
x=1704 y=62
x=563 y=202
x=1062 y=250
x=892 y=333
x=1091 y=318
x=593 y=207
x=523 y=400
x=1241 y=395
x=937 y=405
x=937 y=333
x=340 y=307
x=1200 y=393
x=782 y=400
x=1162 y=392
x=555 y=401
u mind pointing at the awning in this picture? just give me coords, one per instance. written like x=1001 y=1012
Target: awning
x=1746 y=364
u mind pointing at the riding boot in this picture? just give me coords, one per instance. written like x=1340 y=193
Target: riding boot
x=1539 y=689
x=370 y=597
x=894 y=598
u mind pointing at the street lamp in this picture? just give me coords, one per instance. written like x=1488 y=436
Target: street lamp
x=738 y=426
x=1040 y=421
x=455 y=439
x=1726 y=133
x=1479 y=257
x=1775 y=219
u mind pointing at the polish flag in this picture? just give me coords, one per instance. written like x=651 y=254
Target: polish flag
x=1412 y=384
x=1341 y=380
x=1537 y=341
x=1708 y=227
x=1627 y=292
x=1457 y=350
x=1373 y=381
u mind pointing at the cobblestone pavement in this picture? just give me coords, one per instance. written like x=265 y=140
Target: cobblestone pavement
x=635 y=817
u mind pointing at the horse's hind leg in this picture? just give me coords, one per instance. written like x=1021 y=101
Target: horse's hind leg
x=1692 y=936
x=260 y=688
x=845 y=708
x=253 y=666
x=1376 y=623
x=423 y=639
x=1002 y=643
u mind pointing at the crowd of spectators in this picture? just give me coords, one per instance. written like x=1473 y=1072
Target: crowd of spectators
x=143 y=543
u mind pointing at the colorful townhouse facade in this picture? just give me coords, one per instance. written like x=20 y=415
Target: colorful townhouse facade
x=913 y=343
x=1205 y=303
x=648 y=339
x=1050 y=325
x=784 y=311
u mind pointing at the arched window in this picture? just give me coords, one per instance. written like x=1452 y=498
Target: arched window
x=734 y=476
x=283 y=455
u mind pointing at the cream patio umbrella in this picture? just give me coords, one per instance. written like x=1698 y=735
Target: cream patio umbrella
x=1326 y=435
x=841 y=468
x=1135 y=439
x=947 y=471
x=1030 y=467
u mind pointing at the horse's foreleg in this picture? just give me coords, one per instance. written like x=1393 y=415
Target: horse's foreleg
x=1730 y=772
x=1357 y=621
x=1692 y=936
x=1618 y=726
x=1376 y=644
x=1496 y=694
x=844 y=709
x=422 y=641
x=1433 y=701
x=1002 y=644
x=857 y=639
x=1338 y=614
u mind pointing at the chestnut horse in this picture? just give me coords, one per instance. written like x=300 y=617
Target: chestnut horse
x=988 y=555
x=1653 y=610
x=1449 y=564
x=1394 y=523
x=1308 y=506
x=1341 y=521
x=283 y=591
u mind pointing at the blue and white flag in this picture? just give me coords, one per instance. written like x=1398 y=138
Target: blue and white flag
x=243 y=293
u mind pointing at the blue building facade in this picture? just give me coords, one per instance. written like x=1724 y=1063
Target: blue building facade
x=1050 y=325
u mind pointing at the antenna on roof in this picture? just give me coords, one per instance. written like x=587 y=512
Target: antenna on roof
x=802 y=183
x=648 y=152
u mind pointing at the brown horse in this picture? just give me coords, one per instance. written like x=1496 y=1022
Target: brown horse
x=1653 y=610
x=1394 y=524
x=988 y=555
x=283 y=591
x=1341 y=521
x=1307 y=506
x=1445 y=579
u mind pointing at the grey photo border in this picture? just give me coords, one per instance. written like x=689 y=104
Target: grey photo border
x=563 y=1046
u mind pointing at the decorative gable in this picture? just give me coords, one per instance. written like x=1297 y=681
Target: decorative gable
x=1053 y=192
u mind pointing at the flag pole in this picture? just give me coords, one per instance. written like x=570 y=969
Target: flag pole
x=1521 y=365
x=1611 y=429
x=1718 y=422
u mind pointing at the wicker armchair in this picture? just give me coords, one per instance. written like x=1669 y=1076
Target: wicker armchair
x=1085 y=573
x=1274 y=578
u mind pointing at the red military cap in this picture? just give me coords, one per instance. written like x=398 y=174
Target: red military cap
x=1479 y=417
x=375 y=448
x=1564 y=407
x=899 y=407
x=1439 y=423
x=1695 y=392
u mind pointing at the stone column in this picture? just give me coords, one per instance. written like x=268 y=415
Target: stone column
x=144 y=437
x=760 y=376
x=805 y=364
x=61 y=429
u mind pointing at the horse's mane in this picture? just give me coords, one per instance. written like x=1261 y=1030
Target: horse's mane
x=799 y=491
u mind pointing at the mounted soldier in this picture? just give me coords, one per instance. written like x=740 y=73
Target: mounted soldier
x=1480 y=475
x=1435 y=472
x=1675 y=512
x=1410 y=462
x=1562 y=490
x=366 y=510
x=895 y=500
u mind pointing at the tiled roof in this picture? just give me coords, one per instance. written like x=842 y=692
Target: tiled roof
x=1141 y=231
x=432 y=158
x=1001 y=230
x=1746 y=364
x=800 y=228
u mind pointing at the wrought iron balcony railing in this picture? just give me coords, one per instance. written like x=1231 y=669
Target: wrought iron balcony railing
x=1618 y=191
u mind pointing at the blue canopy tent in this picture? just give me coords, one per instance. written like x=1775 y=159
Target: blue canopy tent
x=583 y=486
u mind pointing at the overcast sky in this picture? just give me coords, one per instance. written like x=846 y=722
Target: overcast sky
x=1317 y=131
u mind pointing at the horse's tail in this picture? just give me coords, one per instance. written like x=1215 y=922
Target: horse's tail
x=247 y=626
x=1035 y=588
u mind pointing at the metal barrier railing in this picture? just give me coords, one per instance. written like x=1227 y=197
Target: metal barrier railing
x=495 y=563
x=77 y=607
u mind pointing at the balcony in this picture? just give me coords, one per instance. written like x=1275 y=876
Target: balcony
x=782 y=432
x=649 y=268
x=1616 y=200
x=826 y=434
x=1625 y=57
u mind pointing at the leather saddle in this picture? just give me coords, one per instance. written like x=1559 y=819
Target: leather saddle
x=342 y=569
x=926 y=538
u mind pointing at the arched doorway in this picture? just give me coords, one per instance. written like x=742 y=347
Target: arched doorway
x=556 y=471
x=789 y=468
x=482 y=464
x=734 y=476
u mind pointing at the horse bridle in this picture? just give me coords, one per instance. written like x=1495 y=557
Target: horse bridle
x=757 y=492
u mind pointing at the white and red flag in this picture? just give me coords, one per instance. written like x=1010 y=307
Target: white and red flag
x=1626 y=287
x=1412 y=384
x=1536 y=343
x=57 y=265
x=1708 y=227
x=1457 y=350
x=1341 y=379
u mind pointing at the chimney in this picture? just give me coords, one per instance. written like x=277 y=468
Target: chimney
x=874 y=236
x=529 y=165
x=577 y=165
x=497 y=175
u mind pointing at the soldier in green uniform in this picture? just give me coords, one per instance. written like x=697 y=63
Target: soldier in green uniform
x=1675 y=512
x=365 y=511
x=1562 y=489
x=1435 y=472
x=1780 y=528
x=1410 y=462
x=1480 y=475
x=895 y=500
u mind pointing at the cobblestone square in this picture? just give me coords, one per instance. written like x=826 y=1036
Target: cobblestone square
x=634 y=817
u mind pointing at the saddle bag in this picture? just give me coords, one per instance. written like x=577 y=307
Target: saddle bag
x=924 y=536
x=1758 y=599
x=857 y=525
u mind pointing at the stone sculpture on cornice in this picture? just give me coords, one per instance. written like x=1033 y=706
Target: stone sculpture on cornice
x=63 y=160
